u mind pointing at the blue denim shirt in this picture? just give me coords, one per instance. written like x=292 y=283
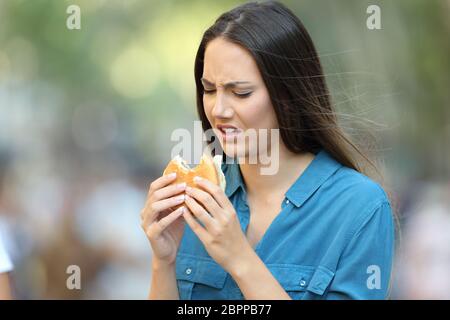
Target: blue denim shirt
x=333 y=239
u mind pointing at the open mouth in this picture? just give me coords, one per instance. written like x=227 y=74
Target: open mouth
x=229 y=132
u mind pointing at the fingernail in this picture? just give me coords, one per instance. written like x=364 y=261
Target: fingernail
x=181 y=185
x=173 y=175
x=181 y=198
x=197 y=179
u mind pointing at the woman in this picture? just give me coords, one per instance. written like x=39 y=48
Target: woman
x=318 y=228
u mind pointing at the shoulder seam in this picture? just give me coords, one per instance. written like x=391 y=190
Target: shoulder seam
x=362 y=220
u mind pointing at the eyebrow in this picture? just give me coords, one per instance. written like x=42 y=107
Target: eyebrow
x=230 y=84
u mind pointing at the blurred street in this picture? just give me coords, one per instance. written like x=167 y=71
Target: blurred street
x=86 y=118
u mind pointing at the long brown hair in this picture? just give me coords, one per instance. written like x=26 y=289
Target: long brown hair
x=291 y=70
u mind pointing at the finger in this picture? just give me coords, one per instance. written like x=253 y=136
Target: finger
x=206 y=200
x=201 y=214
x=154 y=186
x=168 y=191
x=214 y=190
x=155 y=229
x=158 y=206
x=162 y=182
x=168 y=203
x=201 y=233
x=166 y=221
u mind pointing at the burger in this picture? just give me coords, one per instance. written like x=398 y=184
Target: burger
x=209 y=168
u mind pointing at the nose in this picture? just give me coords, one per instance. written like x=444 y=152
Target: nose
x=221 y=109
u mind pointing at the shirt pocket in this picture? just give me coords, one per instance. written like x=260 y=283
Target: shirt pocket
x=297 y=280
x=195 y=271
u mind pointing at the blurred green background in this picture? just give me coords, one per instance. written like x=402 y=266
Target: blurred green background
x=86 y=117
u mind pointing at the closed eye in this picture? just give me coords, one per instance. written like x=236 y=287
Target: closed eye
x=242 y=95
x=237 y=94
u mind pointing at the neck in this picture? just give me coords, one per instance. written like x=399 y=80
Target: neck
x=291 y=166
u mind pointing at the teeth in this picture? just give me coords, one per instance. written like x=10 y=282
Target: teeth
x=229 y=130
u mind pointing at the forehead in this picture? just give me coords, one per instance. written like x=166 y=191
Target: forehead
x=225 y=60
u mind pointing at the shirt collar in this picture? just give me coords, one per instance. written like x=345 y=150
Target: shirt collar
x=318 y=171
x=233 y=178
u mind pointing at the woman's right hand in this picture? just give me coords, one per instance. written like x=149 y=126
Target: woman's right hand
x=164 y=226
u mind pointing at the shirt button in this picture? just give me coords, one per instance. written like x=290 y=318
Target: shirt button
x=188 y=271
x=302 y=283
x=287 y=201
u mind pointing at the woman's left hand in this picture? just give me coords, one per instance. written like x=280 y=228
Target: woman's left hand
x=221 y=232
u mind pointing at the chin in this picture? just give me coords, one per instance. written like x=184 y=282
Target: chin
x=240 y=152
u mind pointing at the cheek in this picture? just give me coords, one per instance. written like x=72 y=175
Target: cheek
x=259 y=113
x=207 y=108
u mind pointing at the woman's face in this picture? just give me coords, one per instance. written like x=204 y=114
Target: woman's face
x=235 y=95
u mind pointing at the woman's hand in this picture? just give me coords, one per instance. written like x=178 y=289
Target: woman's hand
x=221 y=235
x=160 y=222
